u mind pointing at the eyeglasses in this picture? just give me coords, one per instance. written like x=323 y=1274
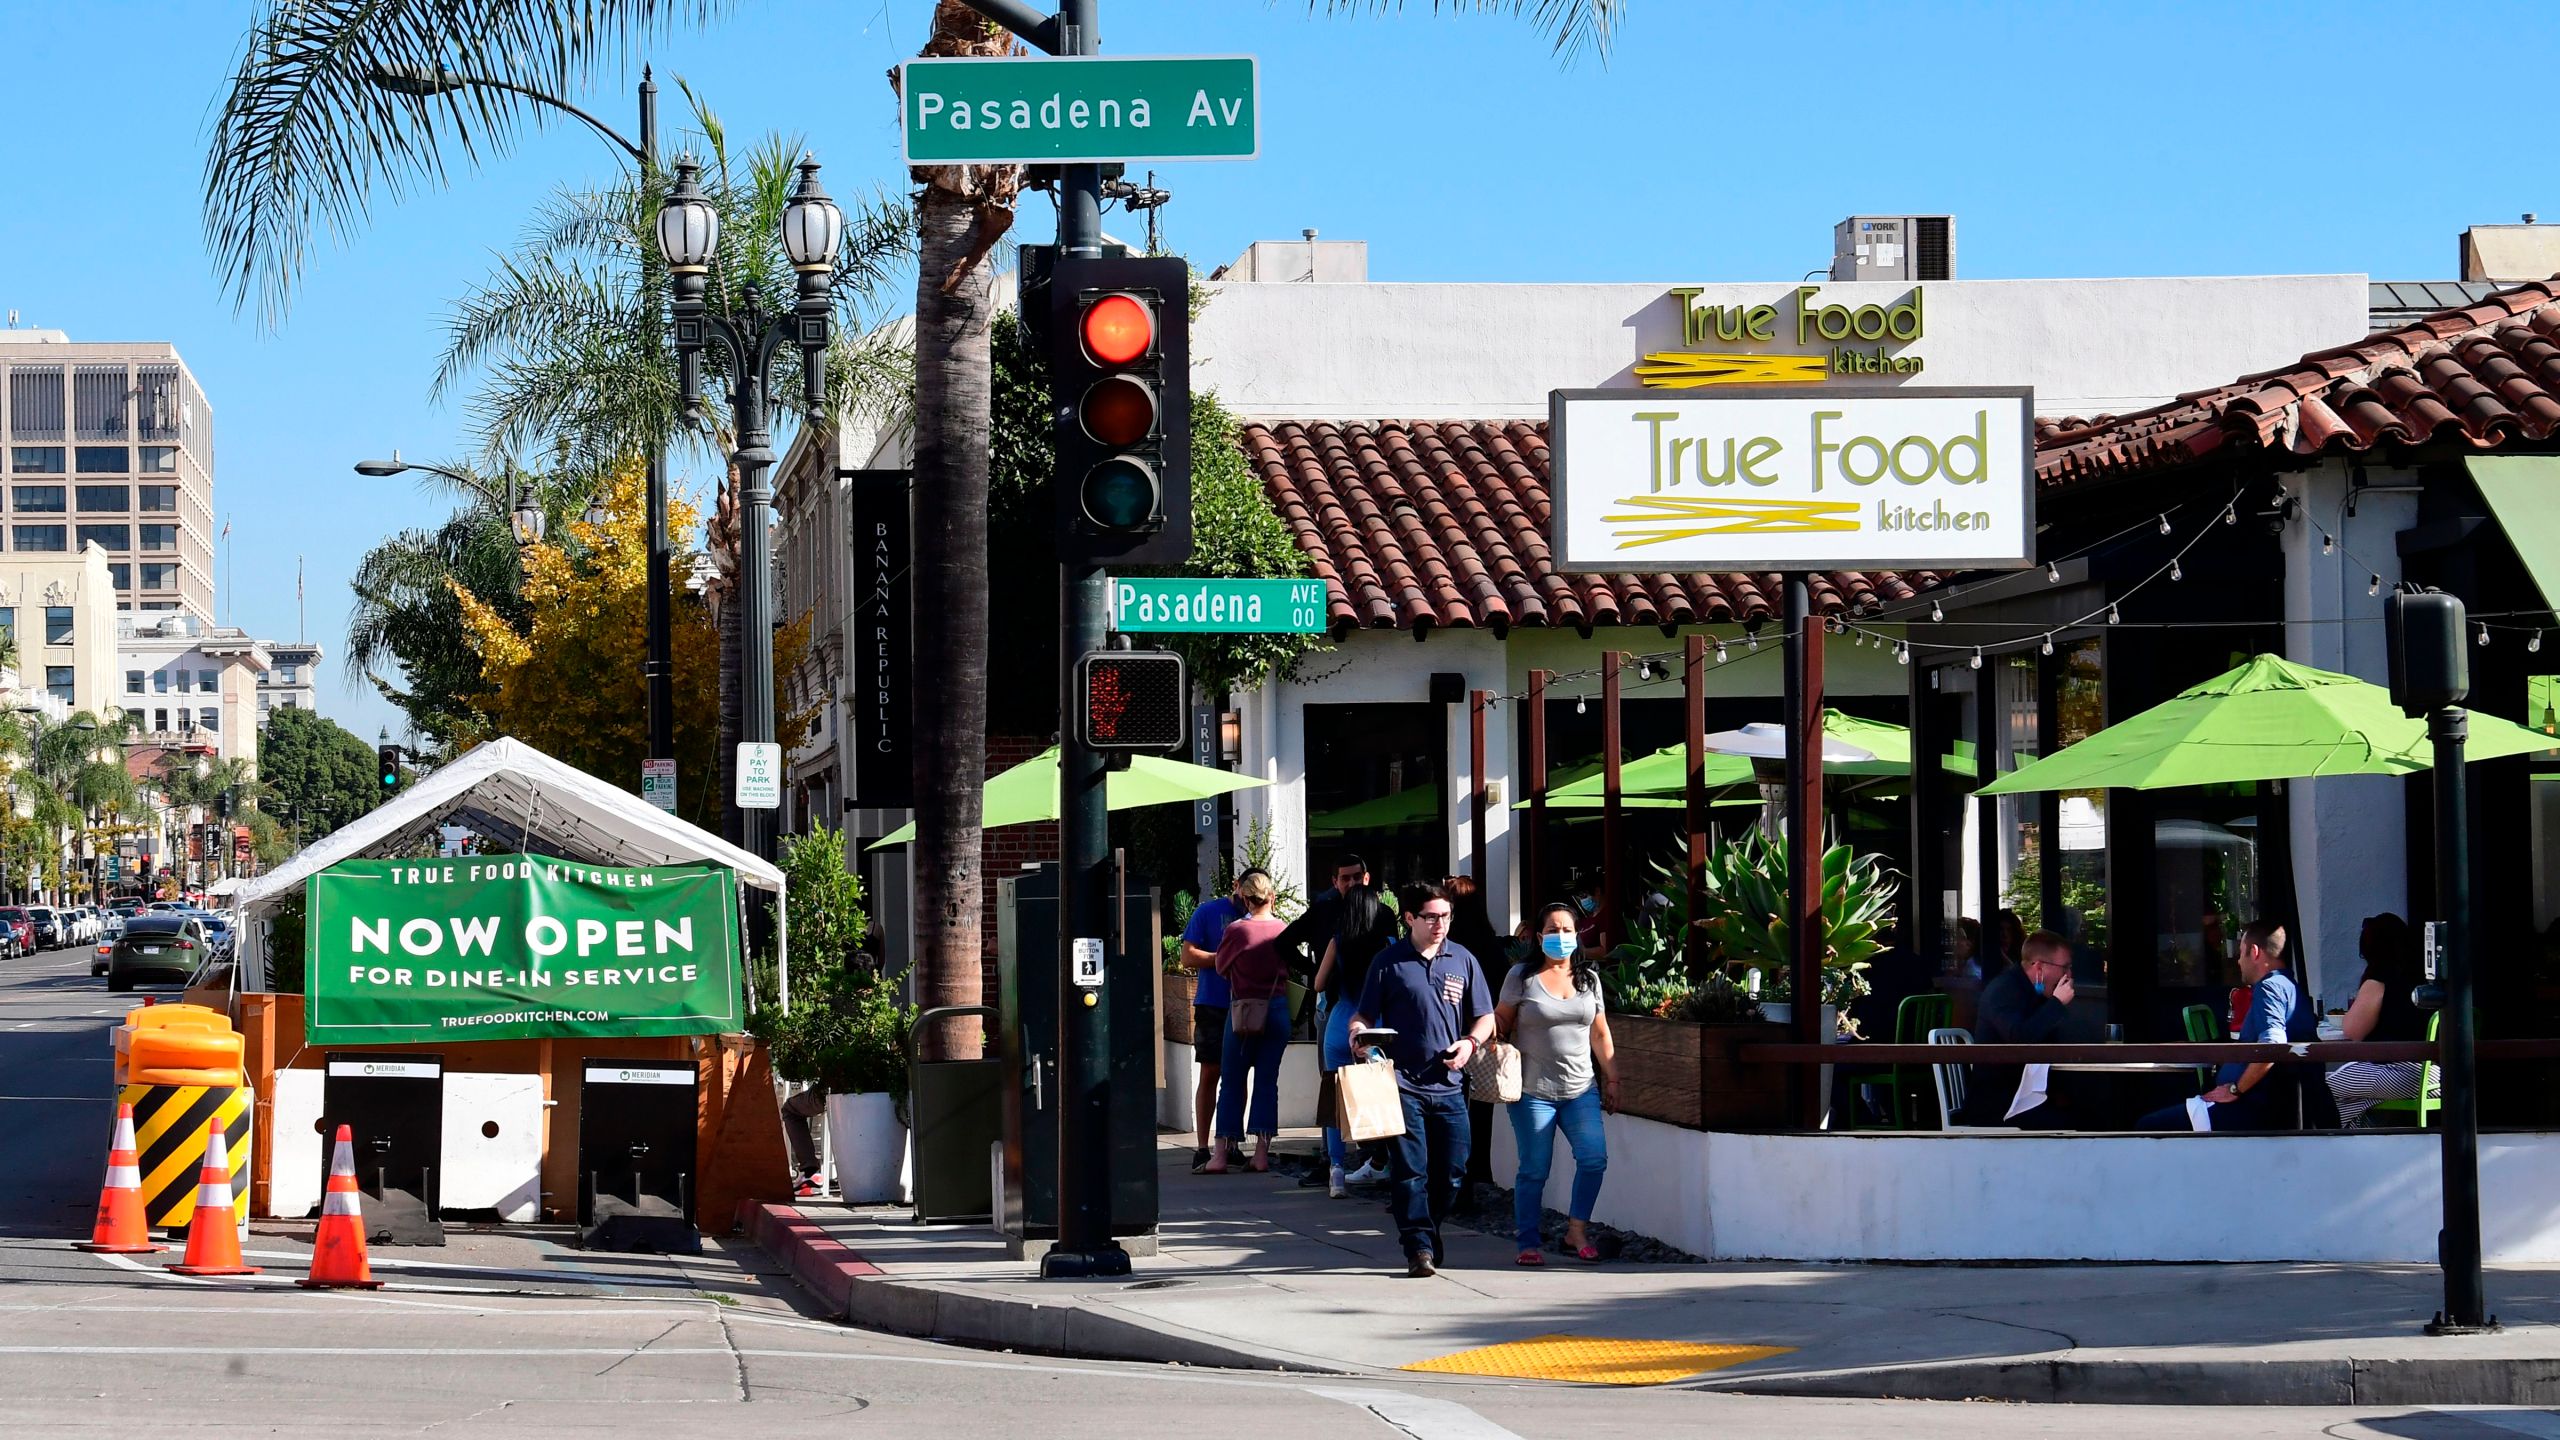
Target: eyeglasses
x=1431 y=917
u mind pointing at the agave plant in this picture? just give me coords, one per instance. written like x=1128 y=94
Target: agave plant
x=1745 y=911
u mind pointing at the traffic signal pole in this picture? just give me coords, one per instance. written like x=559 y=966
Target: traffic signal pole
x=1084 y=1245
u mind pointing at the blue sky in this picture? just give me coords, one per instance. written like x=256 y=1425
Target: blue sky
x=1720 y=142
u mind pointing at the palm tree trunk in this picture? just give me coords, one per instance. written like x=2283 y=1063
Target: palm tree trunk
x=963 y=210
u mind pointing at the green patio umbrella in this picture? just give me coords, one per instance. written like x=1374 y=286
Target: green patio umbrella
x=1029 y=791
x=1414 y=805
x=2268 y=720
x=1665 y=771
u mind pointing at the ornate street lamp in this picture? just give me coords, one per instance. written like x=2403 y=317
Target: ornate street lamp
x=689 y=240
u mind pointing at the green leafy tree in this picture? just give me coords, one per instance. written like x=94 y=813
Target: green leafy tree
x=319 y=774
x=846 y=1028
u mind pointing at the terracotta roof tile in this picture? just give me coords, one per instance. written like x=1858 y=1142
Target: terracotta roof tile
x=2486 y=375
x=1417 y=525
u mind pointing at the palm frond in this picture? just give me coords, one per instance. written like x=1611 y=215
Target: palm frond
x=304 y=140
x=1574 y=25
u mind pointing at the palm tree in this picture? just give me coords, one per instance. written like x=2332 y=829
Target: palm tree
x=407 y=621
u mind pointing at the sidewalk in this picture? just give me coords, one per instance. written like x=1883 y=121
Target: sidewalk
x=1259 y=1273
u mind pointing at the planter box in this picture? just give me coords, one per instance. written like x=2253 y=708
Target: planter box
x=869 y=1148
x=1660 y=1066
x=1179 y=986
x=1736 y=1096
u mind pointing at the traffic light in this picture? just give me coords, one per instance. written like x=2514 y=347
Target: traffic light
x=1118 y=337
x=387 y=765
x=1132 y=700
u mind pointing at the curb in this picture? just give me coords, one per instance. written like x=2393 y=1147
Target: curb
x=863 y=1294
x=2164 y=1381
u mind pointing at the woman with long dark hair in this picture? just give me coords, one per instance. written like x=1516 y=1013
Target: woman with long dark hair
x=2382 y=1010
x=1552 y=1008
x=1368 y=927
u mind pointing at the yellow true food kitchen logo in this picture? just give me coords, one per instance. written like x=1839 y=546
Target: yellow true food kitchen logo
x=1832 y=455
x=1840 y=327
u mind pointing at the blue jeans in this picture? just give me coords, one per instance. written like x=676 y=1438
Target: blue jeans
x=1426 y=1165
x=1534 y=1123
x=1254 y=1057
x=1336 y=1053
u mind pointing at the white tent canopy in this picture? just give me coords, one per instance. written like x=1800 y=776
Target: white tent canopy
x=521 y=800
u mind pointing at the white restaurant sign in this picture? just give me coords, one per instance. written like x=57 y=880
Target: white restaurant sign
x=1836 y=478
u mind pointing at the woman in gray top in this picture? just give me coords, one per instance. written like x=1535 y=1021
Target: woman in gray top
x=1551 y=1008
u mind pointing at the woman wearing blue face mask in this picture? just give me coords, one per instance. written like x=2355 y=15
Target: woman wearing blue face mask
x=1551 y=1008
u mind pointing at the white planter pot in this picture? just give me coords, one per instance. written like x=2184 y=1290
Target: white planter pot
x=869 y=1149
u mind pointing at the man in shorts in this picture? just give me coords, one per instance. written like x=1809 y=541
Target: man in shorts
x=1208 y=1007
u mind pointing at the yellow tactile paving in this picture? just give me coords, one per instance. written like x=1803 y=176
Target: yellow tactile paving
x=1592 y=1360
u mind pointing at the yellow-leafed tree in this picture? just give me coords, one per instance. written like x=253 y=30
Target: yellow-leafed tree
x=569 y=681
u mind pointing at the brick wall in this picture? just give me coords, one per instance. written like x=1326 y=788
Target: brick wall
x=1004 y=852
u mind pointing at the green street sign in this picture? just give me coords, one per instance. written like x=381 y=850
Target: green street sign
x=1221 y=607
x=518 y=947
x=1080 y=109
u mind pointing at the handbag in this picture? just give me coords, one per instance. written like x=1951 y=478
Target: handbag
x=1493 y=1074
x=1372 y=1105
x=1248 y=1016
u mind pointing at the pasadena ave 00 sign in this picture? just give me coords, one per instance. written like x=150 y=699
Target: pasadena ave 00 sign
x=513 y=947
x=1793 y=479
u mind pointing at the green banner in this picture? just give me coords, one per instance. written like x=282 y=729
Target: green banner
x=518 y=947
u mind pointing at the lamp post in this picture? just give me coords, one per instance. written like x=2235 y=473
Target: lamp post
x=657 y=669
x=523 y=511
x=688 y=239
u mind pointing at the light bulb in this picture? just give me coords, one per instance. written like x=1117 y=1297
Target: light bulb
x=2052 y=573
x=2373 y=586
x=2112 y=616
x=1902 y=653
x=1720 y=655
x=2164 y=524
x=1580 y=708
x=2534 y=645
x=1935 y=613
x=2328 y=542
x=2484 y=634
x=1977 y=657
x=2230 y=516
x=2048 y=642
x=1752 y=639
x=2174 y=572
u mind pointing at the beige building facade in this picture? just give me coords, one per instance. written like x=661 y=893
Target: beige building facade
x=60 y=610
x=110 y=444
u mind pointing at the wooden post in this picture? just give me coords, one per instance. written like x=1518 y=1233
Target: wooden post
x=1612 y=831
x=1804 y=831
x=1477 y=703
x=1533 y=861
x=1693 y=686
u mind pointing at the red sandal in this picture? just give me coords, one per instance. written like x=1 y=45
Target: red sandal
x=1531 y=1258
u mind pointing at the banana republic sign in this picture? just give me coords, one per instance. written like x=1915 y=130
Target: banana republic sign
x=1831 y=340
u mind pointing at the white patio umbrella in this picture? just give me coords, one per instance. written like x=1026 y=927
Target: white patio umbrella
x=1767 y=740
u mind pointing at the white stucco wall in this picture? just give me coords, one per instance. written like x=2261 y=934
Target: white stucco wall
x=2369 y=1197
x=1479 y=352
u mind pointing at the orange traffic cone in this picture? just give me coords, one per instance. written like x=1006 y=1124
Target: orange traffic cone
x=122 y=1228
x=338 y=1261
x=213 y=1236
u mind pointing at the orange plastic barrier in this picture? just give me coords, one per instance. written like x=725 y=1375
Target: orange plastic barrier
x=178 y=1045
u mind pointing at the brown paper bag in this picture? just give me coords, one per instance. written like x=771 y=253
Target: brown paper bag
x=1372 y=1106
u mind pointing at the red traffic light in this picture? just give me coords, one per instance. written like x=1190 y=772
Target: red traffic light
x=1117 y=330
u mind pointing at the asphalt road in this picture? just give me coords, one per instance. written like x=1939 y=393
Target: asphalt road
x=511 y=1333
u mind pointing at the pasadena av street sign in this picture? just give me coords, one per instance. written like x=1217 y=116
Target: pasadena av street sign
x=1080 y=109
x=1228 y=607
x=1837 y=478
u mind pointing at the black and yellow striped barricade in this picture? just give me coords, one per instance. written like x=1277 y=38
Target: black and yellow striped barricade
x=170 y=1127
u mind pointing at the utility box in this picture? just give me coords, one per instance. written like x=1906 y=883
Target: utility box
x=1031 y=975
x=1894 y=247
x=394 y=1104
x=636 y=1131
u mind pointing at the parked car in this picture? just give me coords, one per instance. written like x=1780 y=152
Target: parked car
x=111 y=923
x=78 y=928
x=48 y=926
x=22 y=925
x=217 y=933
x=168 y=946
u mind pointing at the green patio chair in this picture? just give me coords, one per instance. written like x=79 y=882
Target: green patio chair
x=2426 y=1103
x=1913 y=1019
x=2201 y=1025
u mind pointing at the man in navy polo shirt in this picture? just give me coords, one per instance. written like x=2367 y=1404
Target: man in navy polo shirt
x=1432 y=994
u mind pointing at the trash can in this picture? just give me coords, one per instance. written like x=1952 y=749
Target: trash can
x=958 y=1112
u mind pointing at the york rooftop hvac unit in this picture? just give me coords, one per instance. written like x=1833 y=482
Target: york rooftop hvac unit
x=1894 y=247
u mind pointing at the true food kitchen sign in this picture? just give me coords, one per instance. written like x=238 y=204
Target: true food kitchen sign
x=1793 y=479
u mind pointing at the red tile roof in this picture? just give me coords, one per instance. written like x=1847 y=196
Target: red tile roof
x=2484 y=375
x=1414 y=525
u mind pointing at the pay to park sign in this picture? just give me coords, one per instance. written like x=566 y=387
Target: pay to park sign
x=516 y=947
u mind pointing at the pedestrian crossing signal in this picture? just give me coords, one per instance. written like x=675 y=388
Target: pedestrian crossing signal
x=1135 y=700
